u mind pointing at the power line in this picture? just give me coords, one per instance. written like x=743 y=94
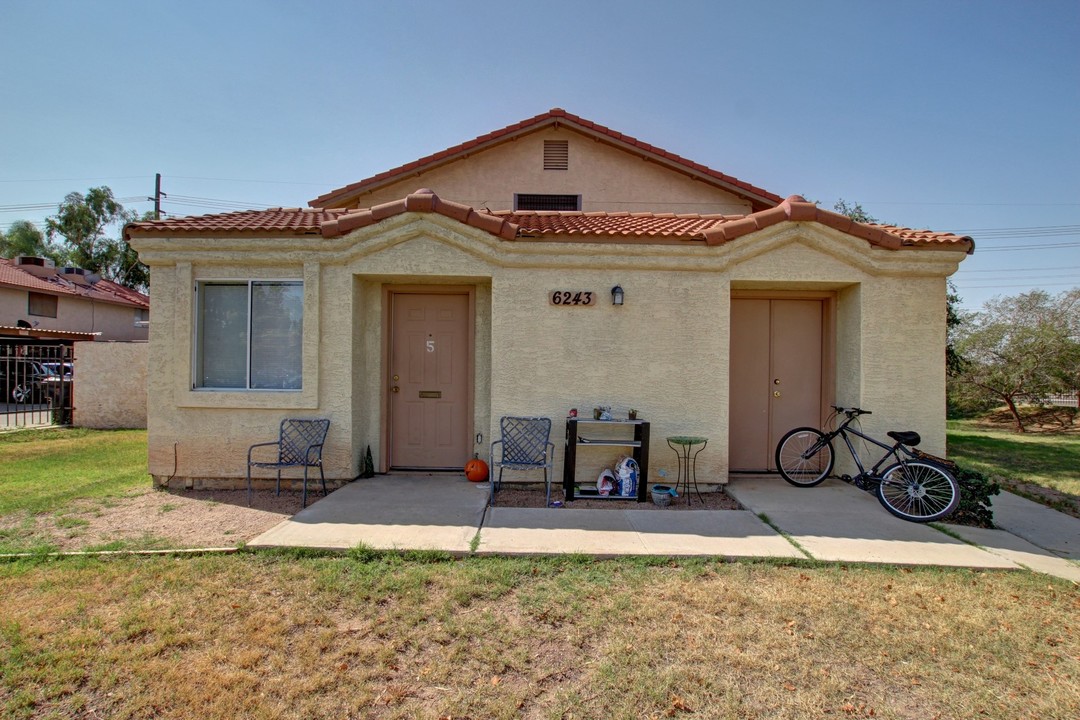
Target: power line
x=270 y=182
x=89 y=179
x=1038 y=269
x=1042 y=246
x=1022 y=285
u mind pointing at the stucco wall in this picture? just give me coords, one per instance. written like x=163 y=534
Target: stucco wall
x=110 y=384
x=665 y=352
x=606 y=178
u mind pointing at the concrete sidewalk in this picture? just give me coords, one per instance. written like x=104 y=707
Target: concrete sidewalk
x=838 y=522
x=833 y=522
x=611 y=533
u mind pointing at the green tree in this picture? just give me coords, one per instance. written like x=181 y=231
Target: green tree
x=854 y=211
x=954 y=320
x=24 y=238
x=1017 y=348
x=91 y=225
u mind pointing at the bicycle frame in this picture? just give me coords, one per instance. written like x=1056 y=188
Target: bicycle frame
x=891 y=451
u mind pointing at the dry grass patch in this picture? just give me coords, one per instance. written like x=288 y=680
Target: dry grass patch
x=381 y=636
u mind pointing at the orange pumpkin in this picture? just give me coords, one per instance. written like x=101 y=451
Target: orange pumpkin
x=476 y=470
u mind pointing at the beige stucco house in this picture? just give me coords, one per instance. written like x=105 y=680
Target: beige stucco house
x=418 y=306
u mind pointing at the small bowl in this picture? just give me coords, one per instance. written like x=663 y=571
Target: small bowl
x=661 y=495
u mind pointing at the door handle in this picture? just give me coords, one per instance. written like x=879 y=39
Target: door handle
x=775 y=394
x=395 y=389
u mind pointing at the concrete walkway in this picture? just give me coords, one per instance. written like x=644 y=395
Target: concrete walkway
x=389 y=512
x=833 y=522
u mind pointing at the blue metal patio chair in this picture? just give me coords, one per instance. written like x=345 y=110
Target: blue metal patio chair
x=524 y=445
x=299 y=444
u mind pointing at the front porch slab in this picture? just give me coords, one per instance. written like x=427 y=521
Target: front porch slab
x=391 y=512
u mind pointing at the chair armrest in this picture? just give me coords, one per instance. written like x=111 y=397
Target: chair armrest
x=307 y=452
x=265 y=444
x=491 y=457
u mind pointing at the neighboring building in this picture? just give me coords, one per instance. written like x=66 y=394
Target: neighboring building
x=38 y=299
x=415 y=319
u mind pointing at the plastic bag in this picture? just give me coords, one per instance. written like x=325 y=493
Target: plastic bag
x=605 y=483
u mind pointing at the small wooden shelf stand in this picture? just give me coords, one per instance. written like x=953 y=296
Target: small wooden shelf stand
x=639 y=443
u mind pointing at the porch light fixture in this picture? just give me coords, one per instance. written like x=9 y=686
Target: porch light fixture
x=617 y=295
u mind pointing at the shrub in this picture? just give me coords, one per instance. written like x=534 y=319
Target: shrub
x=975 y=490
x=975 y=504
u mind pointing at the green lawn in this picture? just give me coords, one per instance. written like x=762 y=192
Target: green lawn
x=1023 y=463
x=49 y=472
x=45 y=470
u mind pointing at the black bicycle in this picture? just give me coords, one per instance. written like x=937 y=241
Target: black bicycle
x=915 y=487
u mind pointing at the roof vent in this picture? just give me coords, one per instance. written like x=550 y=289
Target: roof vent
x=529 y=201
x=78 y=275
x=556 y=154
x=36 y=266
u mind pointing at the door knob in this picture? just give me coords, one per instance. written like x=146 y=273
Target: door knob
x=775 y=394
x=395 y=389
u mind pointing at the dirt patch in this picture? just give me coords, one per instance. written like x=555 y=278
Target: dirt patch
x=528 y=498
x=168 y=519
x=1049 y=420
x=160 y=519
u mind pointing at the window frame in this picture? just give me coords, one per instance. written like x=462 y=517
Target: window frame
x=31 y=296
x=196 y=345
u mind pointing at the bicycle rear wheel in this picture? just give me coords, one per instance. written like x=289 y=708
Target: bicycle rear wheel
x=804 y=457
x=918 y=491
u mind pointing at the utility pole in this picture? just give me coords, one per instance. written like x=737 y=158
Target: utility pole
x=157 y=196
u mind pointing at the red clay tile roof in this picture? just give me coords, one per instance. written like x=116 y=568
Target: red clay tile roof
x=102 y=290
x=614 y=224
x=423 y=200
x=758 y=197
x=797 y=209
x=584 y=226
x=279 y=221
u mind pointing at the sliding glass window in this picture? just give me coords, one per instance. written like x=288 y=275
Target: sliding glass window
x=249 y=335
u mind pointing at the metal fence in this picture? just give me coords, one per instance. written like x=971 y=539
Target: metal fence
x=1062 y=399
x=38 y=383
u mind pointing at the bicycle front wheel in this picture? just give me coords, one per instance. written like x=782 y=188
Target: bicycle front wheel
x=804 y=457
x=918 y=491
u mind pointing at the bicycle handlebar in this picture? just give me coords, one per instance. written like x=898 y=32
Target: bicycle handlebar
x=851 y=411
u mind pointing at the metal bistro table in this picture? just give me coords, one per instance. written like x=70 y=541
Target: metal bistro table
x=683 y=446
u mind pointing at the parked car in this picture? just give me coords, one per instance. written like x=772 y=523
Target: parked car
x=23 y=380
x=56 y=384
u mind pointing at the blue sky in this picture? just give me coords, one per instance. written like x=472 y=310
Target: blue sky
x=959 y=116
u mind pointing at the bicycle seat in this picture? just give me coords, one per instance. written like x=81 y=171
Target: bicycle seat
x=910 y=438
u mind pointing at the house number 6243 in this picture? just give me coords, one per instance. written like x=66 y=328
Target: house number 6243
x=430 y=345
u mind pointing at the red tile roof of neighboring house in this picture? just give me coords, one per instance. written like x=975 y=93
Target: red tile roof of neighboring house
x=758 y=197
x=11 y=275
x=582 y=226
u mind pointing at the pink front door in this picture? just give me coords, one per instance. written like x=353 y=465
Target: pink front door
x=777 y=351
x=429 y=381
